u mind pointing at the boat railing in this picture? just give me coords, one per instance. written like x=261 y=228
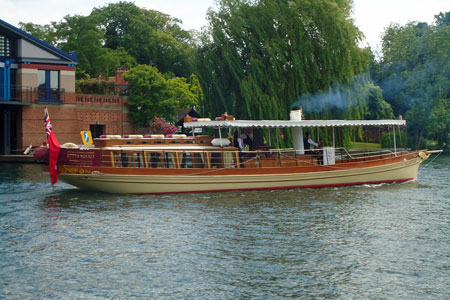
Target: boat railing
x=236 y=159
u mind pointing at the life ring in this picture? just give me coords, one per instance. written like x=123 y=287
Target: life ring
x=69 y=145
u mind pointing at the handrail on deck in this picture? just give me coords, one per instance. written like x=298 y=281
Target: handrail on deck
x=260 y=158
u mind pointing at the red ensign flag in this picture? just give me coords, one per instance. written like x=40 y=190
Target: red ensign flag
x=53 y=148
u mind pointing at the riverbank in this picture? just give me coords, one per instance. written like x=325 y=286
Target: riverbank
x=16 y=158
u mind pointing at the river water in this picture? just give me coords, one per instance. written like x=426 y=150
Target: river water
x=389 y=241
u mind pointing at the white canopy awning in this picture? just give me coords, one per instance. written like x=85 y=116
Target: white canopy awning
x=290 y=124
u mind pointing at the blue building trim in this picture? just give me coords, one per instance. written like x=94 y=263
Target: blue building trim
x=5 y=80
x=38 y=42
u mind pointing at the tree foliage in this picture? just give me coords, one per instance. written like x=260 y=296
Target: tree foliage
x=414 y=74
x=119 y=35
x=151 y=37
x=258 y=57
x=44 y=32
x=152 y=95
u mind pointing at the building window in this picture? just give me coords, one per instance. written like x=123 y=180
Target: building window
x=5 y=46
x=48 y=85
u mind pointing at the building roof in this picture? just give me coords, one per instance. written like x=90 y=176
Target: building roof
x=18 y=33
x=291 y=124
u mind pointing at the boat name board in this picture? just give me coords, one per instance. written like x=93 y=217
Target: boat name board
x=79 y=157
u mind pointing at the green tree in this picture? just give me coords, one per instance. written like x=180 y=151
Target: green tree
x=378 y=108
x=80 y=34
x=152 y=95
x=258 y=57
x=44 y=32
x=151 y=37
x=120 y=35
x=414 y=74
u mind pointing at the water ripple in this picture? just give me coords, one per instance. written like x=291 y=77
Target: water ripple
x=385 y=241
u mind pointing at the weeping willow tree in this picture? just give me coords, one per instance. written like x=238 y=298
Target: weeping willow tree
x=258 y=57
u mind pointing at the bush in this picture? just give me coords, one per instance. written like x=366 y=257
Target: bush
x=98 y=87
x=159 y=125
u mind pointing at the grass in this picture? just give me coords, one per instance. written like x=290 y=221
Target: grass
x=358 y=145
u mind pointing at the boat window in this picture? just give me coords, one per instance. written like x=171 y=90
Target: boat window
x=175 y=142
x=228 y=159
x=155 y=160
x=116 y=156
x=159 y=142
x=128 y=143
x=125 y=159
x=199 y=159
x=138 y=161
x=144 y=142
x=187 y=160
x=189 y=142
x=216 y=160
x=170 y=160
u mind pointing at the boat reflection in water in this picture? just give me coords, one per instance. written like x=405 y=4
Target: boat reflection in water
x=156 y=164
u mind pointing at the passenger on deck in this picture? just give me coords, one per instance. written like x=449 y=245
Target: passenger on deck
x=307 y=142
x=237 y=141
x=247 y=140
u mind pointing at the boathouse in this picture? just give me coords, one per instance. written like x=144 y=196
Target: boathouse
x=35 y=75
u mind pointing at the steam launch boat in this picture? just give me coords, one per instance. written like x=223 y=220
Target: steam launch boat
x=155 y=164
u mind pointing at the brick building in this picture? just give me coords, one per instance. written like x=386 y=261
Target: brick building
x=35 y=75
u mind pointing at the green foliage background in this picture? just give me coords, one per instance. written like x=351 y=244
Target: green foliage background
x=152 y=95
x=414 y=74
x=257 y=59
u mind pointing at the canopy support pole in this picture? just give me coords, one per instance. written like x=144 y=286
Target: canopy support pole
x=395 y=143
x=220 y=136
x=318 y=134
x=334 y=143
x=270 y=142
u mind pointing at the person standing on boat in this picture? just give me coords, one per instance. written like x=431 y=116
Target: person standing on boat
x=237 y=141
x=247 y=140
x=307 y=142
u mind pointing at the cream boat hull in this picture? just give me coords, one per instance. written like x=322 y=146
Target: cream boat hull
x=157 y=184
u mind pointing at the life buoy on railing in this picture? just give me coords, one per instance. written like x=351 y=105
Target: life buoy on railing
x=69 y=145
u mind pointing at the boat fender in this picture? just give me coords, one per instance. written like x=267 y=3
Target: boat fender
x=154 y=136
x=220 y=142
x=69 y=145
x=28 y=150
x=176 y=136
